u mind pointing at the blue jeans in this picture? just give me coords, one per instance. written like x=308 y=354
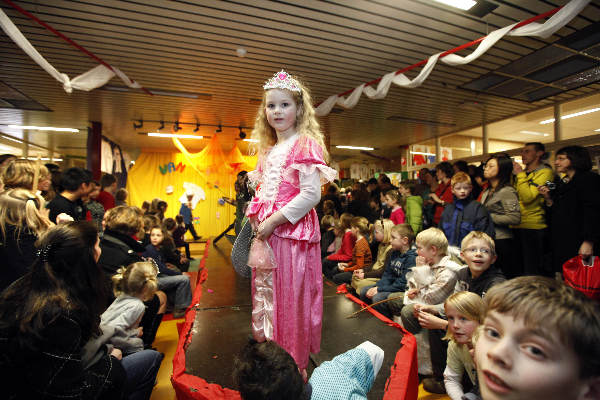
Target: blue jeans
x=383 y=307
x=180 y=284
x=141 y=368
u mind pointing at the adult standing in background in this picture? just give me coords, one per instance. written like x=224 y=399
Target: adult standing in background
x=108 y=187
x=530 y=234
x=574 y=206
x=76 y=183
x=502 y=202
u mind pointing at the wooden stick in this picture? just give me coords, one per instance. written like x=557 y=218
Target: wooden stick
x=371 y=305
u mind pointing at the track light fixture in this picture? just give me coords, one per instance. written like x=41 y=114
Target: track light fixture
x=197 y=127
x=138 y=126
x=162 y=125
x=242 y=133
x=219 y=129
x=176 y=126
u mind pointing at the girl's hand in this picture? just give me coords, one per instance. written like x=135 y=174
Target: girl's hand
x=425 y=308
x=359 y=273
x=430 y=321
x=266 y=228
x=371 y=292
x=116 y=353
x=342 y=266
x=420 y=260
x=140 y=331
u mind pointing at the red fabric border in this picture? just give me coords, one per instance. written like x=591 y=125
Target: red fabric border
x=402 y=383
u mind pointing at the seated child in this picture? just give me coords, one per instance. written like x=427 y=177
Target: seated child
x=539 y=341
x=177 y=229
x=399 y=261
x=172 y=255
x=170 y=280
x=132 y=286
x=413 y=205
x=344 y=254
x=327 y=234
x=464 y=311
x=266 y=371
x=361 y=254
x=432 y=247
x=394 y=201
x=150 y=221
x=464 y=214
x=369 y=275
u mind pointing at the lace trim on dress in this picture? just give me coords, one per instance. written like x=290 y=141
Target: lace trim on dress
x=275 y=160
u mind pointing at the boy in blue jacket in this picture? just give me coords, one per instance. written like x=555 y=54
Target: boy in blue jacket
x=400 y=260
x=465 y=214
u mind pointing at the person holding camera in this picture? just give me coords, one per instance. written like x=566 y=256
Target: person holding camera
x=573 y=206
x=530 y=234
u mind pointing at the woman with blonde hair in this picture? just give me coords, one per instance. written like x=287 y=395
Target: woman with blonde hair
x=23 y=219
x=26 y=174
x=372 y=273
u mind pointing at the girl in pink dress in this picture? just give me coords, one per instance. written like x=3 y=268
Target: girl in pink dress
x=289 y=174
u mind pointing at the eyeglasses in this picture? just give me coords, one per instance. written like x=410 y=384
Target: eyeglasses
x=475 y=249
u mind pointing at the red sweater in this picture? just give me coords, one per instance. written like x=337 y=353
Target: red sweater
x=444 y=192
x=398 y=216
x=106 y=199
x=344 y=254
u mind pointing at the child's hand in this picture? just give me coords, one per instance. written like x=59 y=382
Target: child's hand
x=412 y=293
x=342 y=266
x=420 y=260
x=426 y=308
x=371 y=292
x=140 y=331
x=116 y=353
x=430 y=321
x=359 y=273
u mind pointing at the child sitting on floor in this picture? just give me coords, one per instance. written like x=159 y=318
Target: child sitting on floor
x=394 y=200
x=369 y=275
x=132 y=286
x=539 y=341
x=266 y=371
x=361 y=254
x=399 y=261
x=170 y=279
x=344 y=253
x=327 y=234
x=464 y=311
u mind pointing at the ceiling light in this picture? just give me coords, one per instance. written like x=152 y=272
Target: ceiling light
x=159 y=92
x=173 y=135
x=577 y=114
x=535 y=133
x=44 y=159
x=422 y=153
x=43 y=128
x=251 y=140
x=462 y=4
x=596 y=130
x=355 y=147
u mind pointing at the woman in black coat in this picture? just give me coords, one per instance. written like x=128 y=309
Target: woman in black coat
x=574 y=206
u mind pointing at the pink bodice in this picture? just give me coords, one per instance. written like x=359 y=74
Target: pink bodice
x=302 y=155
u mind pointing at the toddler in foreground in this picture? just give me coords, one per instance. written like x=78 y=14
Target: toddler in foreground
x=539 y=341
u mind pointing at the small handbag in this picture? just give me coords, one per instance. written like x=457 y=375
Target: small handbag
x=241 y=250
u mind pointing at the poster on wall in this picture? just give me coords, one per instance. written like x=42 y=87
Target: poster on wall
x=114 y=161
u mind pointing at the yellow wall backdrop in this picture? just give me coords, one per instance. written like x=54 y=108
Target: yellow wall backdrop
x=209 y=169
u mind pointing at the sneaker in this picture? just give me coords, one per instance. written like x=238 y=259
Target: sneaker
x=433 y=385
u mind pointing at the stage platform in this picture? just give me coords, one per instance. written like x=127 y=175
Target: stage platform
x=222 y=326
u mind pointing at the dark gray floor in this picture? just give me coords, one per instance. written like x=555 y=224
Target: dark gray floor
x=222 y=325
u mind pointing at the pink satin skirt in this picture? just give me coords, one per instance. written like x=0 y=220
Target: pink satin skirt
x=298 y=297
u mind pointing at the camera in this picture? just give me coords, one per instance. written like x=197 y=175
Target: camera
x=550 y=185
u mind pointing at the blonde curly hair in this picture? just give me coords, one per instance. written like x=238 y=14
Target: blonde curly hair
x=306 y=121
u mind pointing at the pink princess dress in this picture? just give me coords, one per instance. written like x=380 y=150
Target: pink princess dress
x=290 y=175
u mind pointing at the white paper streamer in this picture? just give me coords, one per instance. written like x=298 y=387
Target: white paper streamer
x=557 y=21
x=92 y=79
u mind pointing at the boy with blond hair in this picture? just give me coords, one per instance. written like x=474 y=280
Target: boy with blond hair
x=465 y=214
x=432 y=248
x=539 y=341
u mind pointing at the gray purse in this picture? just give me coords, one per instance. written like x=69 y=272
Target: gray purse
x=241 y=249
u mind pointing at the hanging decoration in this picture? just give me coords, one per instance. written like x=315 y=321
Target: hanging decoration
x=560 y=17
x=92 y=79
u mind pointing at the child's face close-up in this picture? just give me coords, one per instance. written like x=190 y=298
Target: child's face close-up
x=461 y=190
x=389 y=201
x=460 y=326
x=403 y=191
x=398 y=242
x=280 y=109
x=156 y=237
x=517 y=362
x=427 y=252
x=478 y=256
